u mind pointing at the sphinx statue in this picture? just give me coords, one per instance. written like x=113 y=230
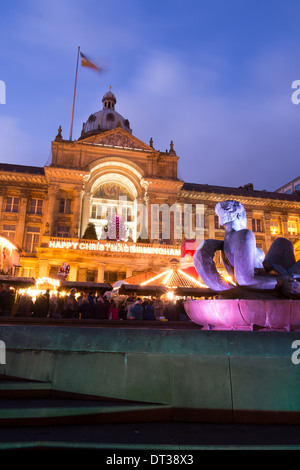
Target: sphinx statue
x=277 y=273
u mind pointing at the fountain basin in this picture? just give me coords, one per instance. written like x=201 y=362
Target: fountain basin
x=239 y=314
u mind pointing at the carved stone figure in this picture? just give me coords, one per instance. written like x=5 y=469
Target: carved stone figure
x=277 y=272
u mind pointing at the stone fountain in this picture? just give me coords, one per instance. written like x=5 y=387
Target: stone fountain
x=265 y=289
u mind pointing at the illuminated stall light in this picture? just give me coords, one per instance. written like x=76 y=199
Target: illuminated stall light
x=48 y=281
x=41 y=285
x=9 y=256
x=173 y=278
x=6 y=243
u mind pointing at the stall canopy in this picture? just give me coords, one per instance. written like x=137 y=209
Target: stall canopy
x=101 y=288
x=17 y=282
x=173 y=277
x=194 y=292
x=127 y=289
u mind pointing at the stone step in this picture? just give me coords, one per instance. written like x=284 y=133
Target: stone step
x=54 y=411
x=12 y=387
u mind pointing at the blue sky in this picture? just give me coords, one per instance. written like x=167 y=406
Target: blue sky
x=213 y=76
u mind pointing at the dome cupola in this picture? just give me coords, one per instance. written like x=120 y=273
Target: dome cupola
x=109 y=100
x=106 y=119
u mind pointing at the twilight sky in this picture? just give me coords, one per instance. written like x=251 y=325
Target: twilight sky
x=213 y=76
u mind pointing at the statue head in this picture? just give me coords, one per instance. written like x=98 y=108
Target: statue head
x=232 y=211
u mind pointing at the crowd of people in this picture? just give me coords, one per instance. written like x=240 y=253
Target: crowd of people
x=89 y=306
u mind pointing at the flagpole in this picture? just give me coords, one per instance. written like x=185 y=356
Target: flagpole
x=73 y=106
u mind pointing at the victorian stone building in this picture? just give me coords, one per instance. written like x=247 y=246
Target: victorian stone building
x=109 y=173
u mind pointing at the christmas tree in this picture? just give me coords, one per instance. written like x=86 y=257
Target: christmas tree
x=90 y=232
x=116 y=228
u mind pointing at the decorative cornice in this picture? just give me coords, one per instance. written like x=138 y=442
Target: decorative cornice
x=65 y=175
x=161 y=184
x=252 y=201
x=117 y=138
x=11 y=177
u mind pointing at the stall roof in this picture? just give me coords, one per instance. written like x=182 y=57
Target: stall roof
x=16 y=281
x=194 y=292
x=84 y=286
x=127 y=289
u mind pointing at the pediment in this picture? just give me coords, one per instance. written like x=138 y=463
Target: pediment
x=117 y=138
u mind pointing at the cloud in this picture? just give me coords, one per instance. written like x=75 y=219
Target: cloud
x=17 y=146
x=247 y=133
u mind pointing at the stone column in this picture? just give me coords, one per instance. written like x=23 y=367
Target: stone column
x=44 y=268
x=20 y=228
x=50 y=209
x=172 y=202
x=85 y=213
x=129 y=271
x=73 y=273
x=151 y=202
x=100 y=272
x=249 y=215
x=268 y=238
x=2 y=196
x=142 y=218
x=210 y=214
x=284 y=226
x=76 y=213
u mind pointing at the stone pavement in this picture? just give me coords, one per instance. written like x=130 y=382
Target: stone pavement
x=154 y=437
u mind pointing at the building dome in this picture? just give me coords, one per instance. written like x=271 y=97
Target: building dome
x=106 y=119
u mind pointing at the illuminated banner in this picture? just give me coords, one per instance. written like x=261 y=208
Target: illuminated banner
x=115 y=247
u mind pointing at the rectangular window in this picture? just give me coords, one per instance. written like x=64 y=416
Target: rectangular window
x=94 y=211
x=217 y=224
x=36 y=206
x=292 y=227
x=63 y=231
x=65 y=205
x=97 y=212
x=274 y=227
x=91 y=276
x=12 y=204
x=256 y=225
x=28 y=272
x=9 y=231
x=32 y=239
x=218 y=257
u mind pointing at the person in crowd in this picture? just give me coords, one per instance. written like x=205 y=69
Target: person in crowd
x=137 y=310
x=47 y=297
x=91 y=298
x=6 y=300
x=131 y=299
x=71 y=307
x=182 y=315
x=85 y=309
x=122 y=311
x=25 y=306
x=113 y=312
x=171 y=311
x=149 y=311
x=61 y=303
x=99 y=310
x=41 y=306
x=158 y=308
x=80 y=298
x=54 y=307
